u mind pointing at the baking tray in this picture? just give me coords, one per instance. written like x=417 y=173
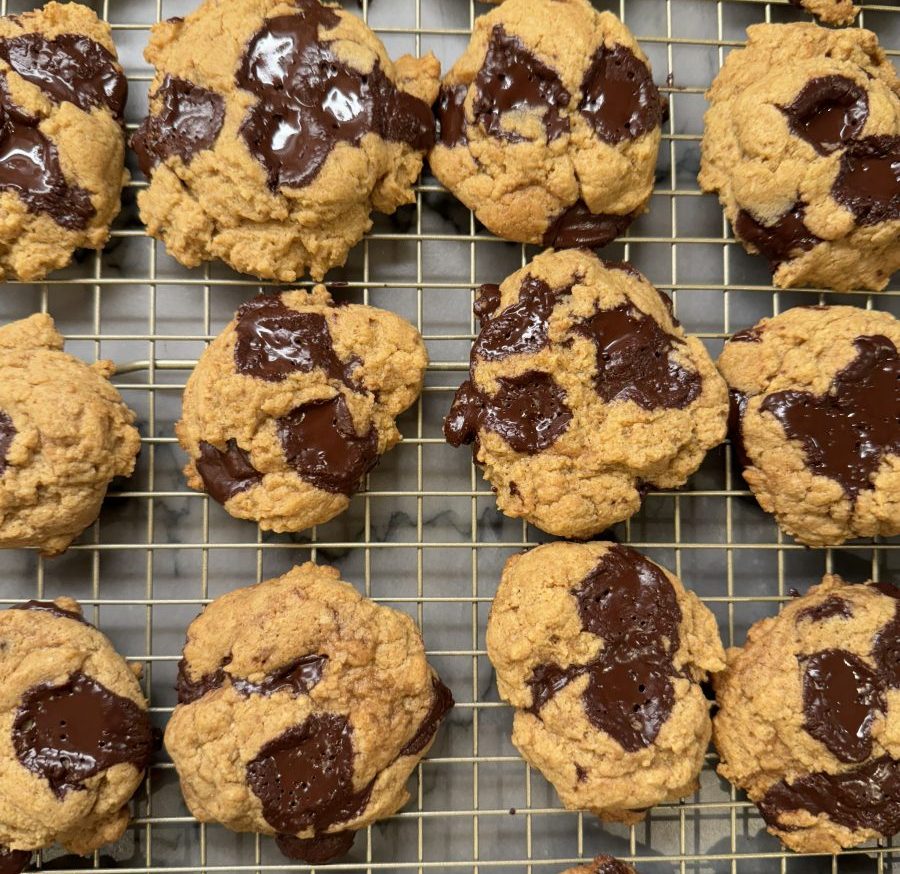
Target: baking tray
x=425 y=537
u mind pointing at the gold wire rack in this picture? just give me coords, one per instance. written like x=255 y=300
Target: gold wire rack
x=425 y=536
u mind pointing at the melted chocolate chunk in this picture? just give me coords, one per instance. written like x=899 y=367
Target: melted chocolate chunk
x=747 y=335
x=298 y=677
x=528 y=411
x=441 y=703
x=581 y=774
x=304 y=777
x=227 y=473
x=14 y=861
x=513 y=79
x=190 y=690
x=309 y=100
x=848 y=432
x=609 y=865
x=7 y=433
x=886 y=588
x=737 y=406
x=321 y=444
x=578 y=228
x=274 y=341
x=188 y=122
x=864 y=797
x=630 y=603
x=70 y=68
x=634 y=360
x=51 y=607
x=66 y=734
x=828 y=113
x=487 y=299
x=868 y=181
x=619 y=99
x=780 y=242
x=842 y=696
x=830 y=608
x=317 y=850
x=29 y=167
x=450 y=114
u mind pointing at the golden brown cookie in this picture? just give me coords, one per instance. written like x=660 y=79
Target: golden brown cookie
x=584 y=390
x=602 y=865
x=276 y=127
x=293 y=404
x=601 y=652
x=64 y=434
x=802 y=145
x=807 y=720
x=550 y=124
x=62 y=145
x=75 y=736
x=303 y=709
x=829 y=11
x=816 y=419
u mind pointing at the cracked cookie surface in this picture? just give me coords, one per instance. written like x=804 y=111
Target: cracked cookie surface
x=802 y=145
x=64 y=434
x=62 y=142
x=815 y=411
x=807 y=720
x=293 y=404
x=583 y=389
x=75 y=735
x=550 y=124
x=601 y=652
x=276 y=127
x=303 y=709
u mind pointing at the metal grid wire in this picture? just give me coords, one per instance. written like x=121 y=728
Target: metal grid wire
x=425 y=536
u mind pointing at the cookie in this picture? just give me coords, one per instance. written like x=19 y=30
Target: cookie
x=829 y=11
x=62 y=142
x=584 y=390
x=75 y=735
x=816 y=406
x=294 y=402
x=276 y=127
x=802 y=145
x=303 y=709
x=602 y=865
x=806 y=722
x=65 y=432
x=602 y=652
x=550 y=124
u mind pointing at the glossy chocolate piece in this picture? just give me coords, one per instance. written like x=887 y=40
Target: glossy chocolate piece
x=450 y=115
x=747 y=335
x=576 y=227
x=52 y=608
x=7 y=433
x=868 y=181
x=226 y=474
x=609 y=865
x=441 y=703
x=780 y=242
x=829 y=112
x=831 y=608
x=318 y=850
x=14 y=861
x=487 y=300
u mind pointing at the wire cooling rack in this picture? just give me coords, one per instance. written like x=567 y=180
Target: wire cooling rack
x=425 y=536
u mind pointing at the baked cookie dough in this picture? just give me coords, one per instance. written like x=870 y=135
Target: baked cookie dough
x=275 y=128
x=816 y=418
x=293 y=404
x=602 y=865
x=829 y=11
x=584 y=390
x=807 y=720
x=62 y=145
x=802 y=145
x=303 y=709
x=550 y=124
x=64 y=434
x=602 y=652
x=75 y=735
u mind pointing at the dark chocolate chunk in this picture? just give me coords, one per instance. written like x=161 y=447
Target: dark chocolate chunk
x=513 y=79
x=308 y=100
x=274 y=341
x=68 y=733
x=747 y=335
x=868 y=181
x=298 y=677
x=847 y=432
x=7 y=433
x=51 y=607
x=832 y=607
x=188 y=122
x=581 y=774
x=14 y=861
x=318 y=850
x=609 y=865
x=227 y=473
x=886 y=588
x=69 y=68
x=487 y=299
x=634 y=360
x=576 y=227
x=190 y=690
x=828 y=113
x=619 y=98
x=321 y=444
x=779 y=242
x=737 y=406
x=450 y=114
x=441 y=703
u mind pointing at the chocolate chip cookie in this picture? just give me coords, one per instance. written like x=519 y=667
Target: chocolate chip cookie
x=64 y=434
x=584 y=390
x=550 y=124
x=76 y=734
x=275 y=129
x=602 y=865
x=802 y=145
x=816 y=419
x=303 y=709
x=829 y=11
x=62 y=145
x=806 y=722
x=294 y=402
x=602 y=652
